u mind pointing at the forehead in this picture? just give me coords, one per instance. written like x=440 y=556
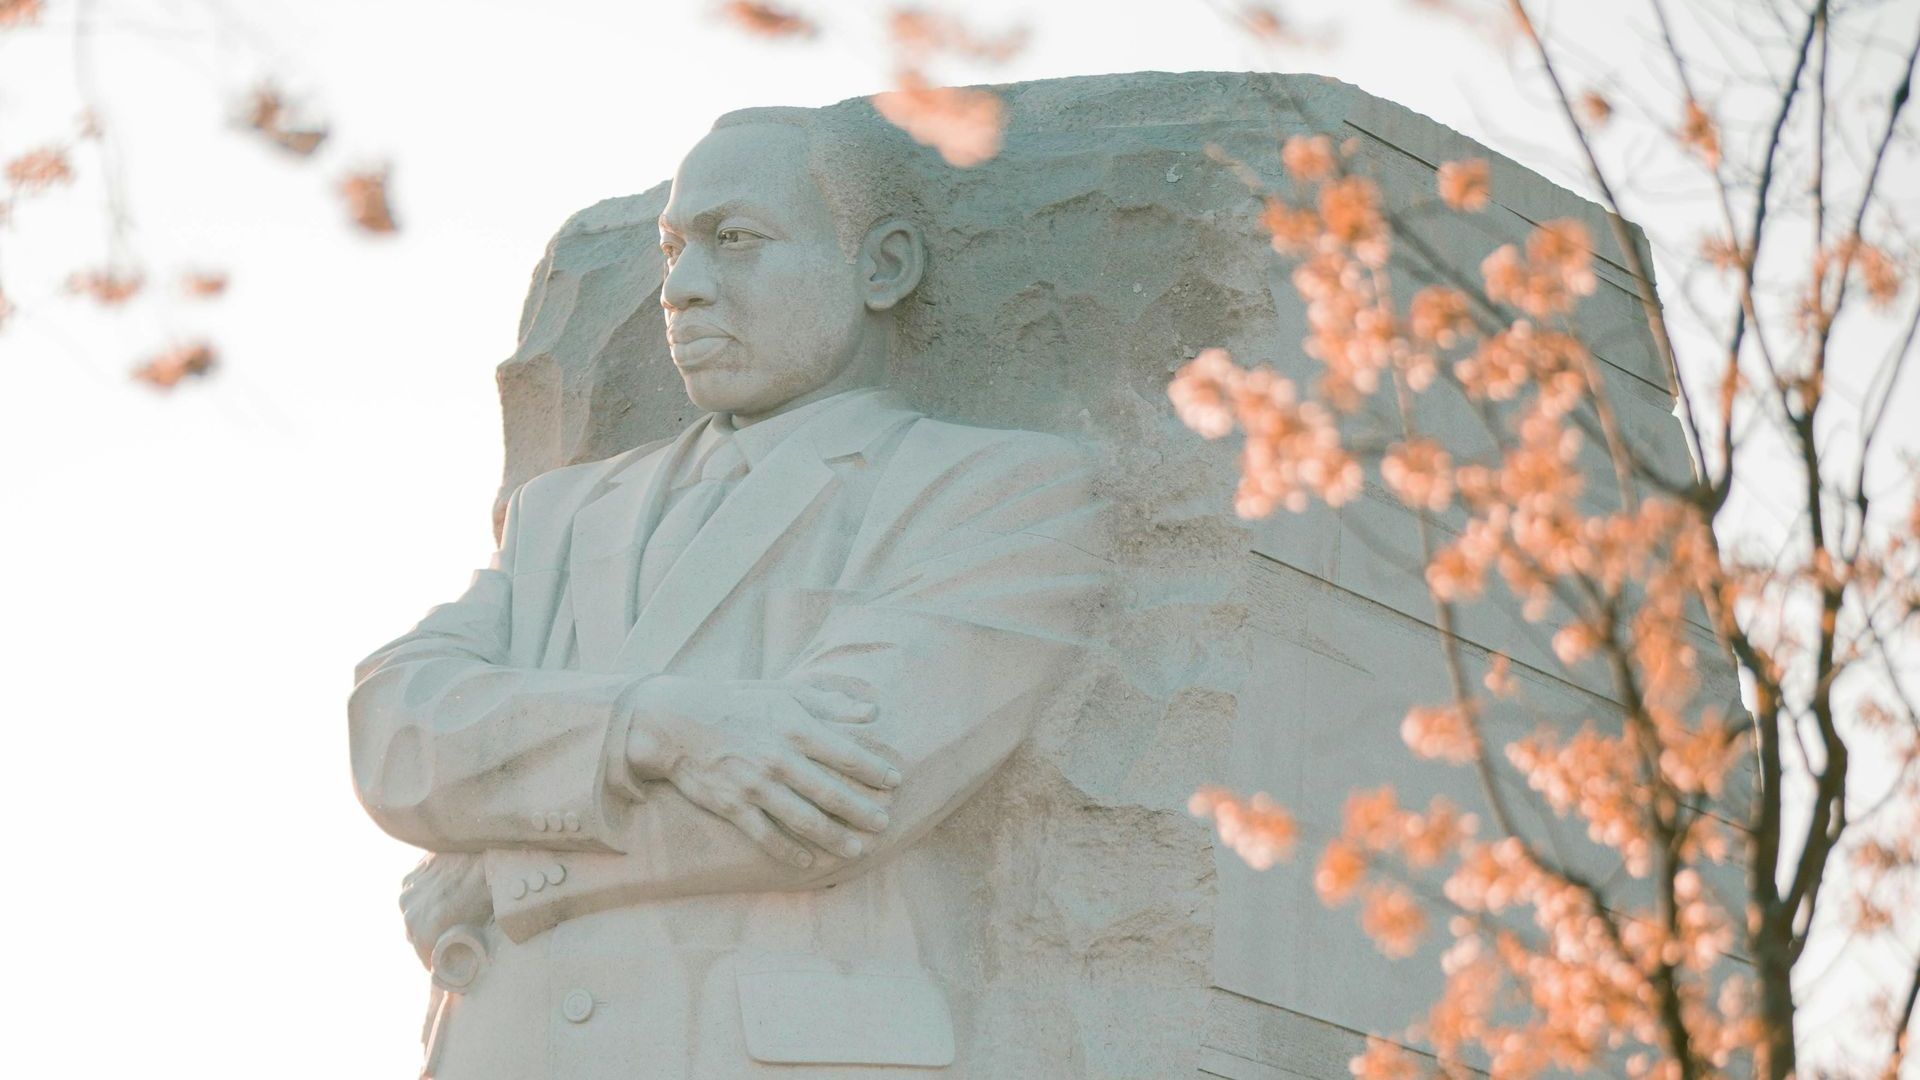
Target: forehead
x=759 y=165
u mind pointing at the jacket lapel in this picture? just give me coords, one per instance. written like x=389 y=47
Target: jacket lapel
x=754 y=517
x=603 y=560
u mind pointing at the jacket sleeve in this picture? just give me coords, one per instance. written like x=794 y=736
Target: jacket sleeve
x=979 y=590
x=454 y=750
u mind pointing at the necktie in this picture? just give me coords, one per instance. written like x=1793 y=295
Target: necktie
x=687 y=512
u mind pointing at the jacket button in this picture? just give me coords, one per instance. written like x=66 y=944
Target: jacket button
x=554 y=822
x=577 y=1006
x=519 y=889
x=571 y=821
x=539 y=823
x=556 y=874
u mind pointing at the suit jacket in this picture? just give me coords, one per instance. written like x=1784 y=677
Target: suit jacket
x=946 y=574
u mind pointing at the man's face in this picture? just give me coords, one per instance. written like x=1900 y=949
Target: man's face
x=762 y=306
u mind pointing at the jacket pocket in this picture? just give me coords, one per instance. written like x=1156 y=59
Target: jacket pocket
x=808 y=1016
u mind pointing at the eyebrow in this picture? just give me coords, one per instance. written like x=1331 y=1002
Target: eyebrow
x=712 y=214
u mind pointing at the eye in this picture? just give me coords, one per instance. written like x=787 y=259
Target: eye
x=733 y=237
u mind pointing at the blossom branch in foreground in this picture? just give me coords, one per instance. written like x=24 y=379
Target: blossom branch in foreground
x=93 y=157
x=963 y=124
x=1636 y=585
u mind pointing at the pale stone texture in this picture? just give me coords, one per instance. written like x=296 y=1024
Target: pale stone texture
x=1069 y=277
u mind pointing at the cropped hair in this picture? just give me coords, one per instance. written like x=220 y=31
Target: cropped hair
x=867 y=169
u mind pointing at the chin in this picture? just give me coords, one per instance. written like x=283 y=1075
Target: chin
x=725 y=391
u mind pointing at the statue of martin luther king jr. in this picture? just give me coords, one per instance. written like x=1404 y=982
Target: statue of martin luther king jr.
x=674 y=752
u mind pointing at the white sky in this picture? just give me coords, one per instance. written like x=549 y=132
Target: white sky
x=191 y=578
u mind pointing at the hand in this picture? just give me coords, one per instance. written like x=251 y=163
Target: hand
x=765 y=756
x=446 y=890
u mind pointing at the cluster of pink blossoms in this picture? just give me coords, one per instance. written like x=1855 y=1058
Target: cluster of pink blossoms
x=1590 y=977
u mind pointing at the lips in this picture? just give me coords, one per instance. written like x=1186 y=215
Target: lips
x=685 y=334
x=696 y=353
x=692 y=346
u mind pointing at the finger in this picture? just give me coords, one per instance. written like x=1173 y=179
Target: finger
x=833 y=706
x=805 y=819
x=830 y=793
x=418 y=937
x=837 y=752
x=752 y=821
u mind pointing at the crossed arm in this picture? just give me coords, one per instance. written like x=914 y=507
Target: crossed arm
x=979 y=599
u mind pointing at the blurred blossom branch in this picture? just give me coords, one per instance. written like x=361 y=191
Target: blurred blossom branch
x=93 y=153
x=1672 y=783
x=767 y=20
x=18 y=13
x=963 y=124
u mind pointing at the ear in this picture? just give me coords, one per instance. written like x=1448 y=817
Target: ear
x=892 y=259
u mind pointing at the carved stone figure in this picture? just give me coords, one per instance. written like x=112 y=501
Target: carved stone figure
x=673 y=750
x=679 y=674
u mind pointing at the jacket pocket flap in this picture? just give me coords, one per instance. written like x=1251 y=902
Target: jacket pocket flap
x=828 y=1018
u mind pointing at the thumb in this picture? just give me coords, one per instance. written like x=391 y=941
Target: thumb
x=833 y=706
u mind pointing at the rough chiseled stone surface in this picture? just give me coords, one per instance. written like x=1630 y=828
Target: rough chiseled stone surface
x=1108 y=242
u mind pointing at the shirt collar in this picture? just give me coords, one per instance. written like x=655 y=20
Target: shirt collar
x=757 y=440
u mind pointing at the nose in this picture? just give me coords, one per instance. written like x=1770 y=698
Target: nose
x=689 y=281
